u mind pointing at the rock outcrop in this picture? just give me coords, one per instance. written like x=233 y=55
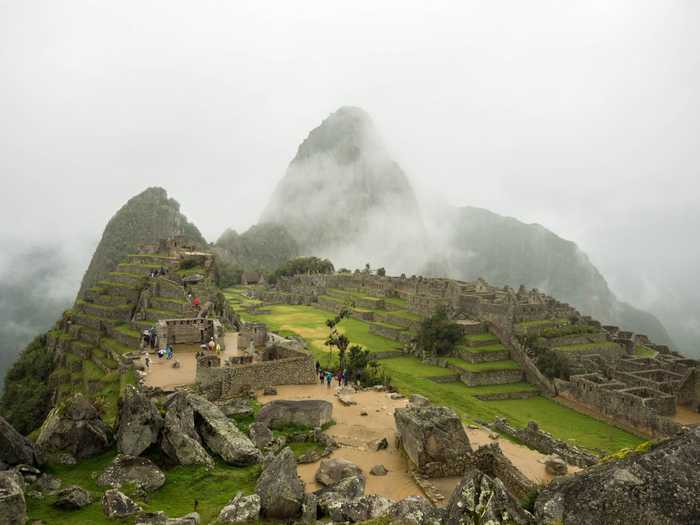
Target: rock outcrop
x=657 y=487
x=415 y=510
x=481 y=499
x=179 y=439
x=310 y=413
x=116 y=504
x=72 y=498
x=333 y=470
x=280 y=489
x=260 y=435
x=237 y=407
x=139 y=423
x=241 y=509
x=13 y=508
x=359 y=509
x=434 y=439
x=73 y=431
x=14 y=447
x=221 y=435
x=132 y=470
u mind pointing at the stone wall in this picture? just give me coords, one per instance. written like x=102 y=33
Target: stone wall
x=385 y=331
x=179 y=331
x=544 y=442
x=491 y=377
x=221 y=383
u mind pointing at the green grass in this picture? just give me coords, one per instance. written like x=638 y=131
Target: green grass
x=115 y=346
x=481 y=337
x=481 y=349
x=213 y=488
x=587 y=346
x=483 y=367
x=127 y=330
x=644 y=351
x=541 y=322
x=300 y=449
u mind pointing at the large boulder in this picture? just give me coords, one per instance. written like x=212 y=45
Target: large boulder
x=237 y=408
x=179 y=439
x=241 y=509
x=15 y=449
x=659 y=486
x=330 y=498
x=331 y=471
x=260 y=435
x=280 y=489
x=73 y=431
x=555 y=466
x=136 y=471
x=116 y=504
x=221 y=435
x=72 y=498
x=13 y=508
x=480 y=498
x=359 y=509
x=434 y=439
x=310 y=413
x=139 y=423
x=415 y=510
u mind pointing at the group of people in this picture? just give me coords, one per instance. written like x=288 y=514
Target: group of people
x=157 y=272
x=341 y=375
x=212 y=346
x=150 y=337
x=166 y=352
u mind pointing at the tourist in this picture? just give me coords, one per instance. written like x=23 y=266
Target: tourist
x=345 y=376
x=318 y=366
x=321 y=376
x=148 y=361
x=169 y=351
x=218 y=348
x=161 y=353
x=211 y=344
x=329 y=378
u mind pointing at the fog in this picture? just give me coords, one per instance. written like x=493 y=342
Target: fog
x=583 y=117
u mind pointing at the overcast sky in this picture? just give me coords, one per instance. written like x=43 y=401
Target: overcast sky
x=582 y=116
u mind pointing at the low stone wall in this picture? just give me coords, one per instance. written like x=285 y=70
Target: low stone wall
x=483 y=357
x=491 y=377
x=226 y=382
x=178 y=331
x=575 y=340
x=385 y=331
x=362 y=315
x=490 y=460
x=609 y=352
x=398 y=320
x=544 y=442
x=504 y=396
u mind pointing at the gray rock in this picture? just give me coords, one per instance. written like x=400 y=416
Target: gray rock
x=139 y=423
x=75 y=429
x=237 y=407
x=72 y=498
x=47 y=484
x=269 y=391
x=378 y=444
x=415 y=510
x=309 y=510
x=280 y=489
x=13 y=508
x=434 y=439
x=188 y=519
x=419 y=401
x=260 y=435
x=346 y=489
x=379 y=470
x=132 y=470
x=116 y=504
x=310 y=413
x=656 y=487
x=241 y=509
x=14 y=447
x=555 y=466
x=359 y=509
x=333 y=470
x=152 y=518
x=481 y=499
x=221 y=435
x=179 y=440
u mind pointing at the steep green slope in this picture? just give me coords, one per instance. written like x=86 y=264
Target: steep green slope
x=504 y=251
x=145 y=218
x=264 y=247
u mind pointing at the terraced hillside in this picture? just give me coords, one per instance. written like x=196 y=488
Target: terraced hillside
x=96 y=342
x=498 y=387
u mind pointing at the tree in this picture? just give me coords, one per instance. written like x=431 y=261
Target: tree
x=381 y=272
x=335 y=338
x=301 y=265
x=553 y=365
x=437 y=335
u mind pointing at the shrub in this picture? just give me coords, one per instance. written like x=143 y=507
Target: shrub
x=381 y=272
x=437 y=335
x=553 y=365
x=191 y=262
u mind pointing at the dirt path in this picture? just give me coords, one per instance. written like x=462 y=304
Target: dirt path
x=354 y=432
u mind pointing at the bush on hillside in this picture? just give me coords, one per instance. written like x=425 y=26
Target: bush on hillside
x=437 y=335
x=553 y=365
x=26 y=399
x=302 y=265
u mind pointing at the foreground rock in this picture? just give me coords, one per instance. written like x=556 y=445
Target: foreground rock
x=379 y=470
x=415 y=510
x=180 y=441
x=656 y=487
x=555 y=466
x=132 y=470
x=434 y=439
x=310 y=413
x=237 y=408
x=359 y=509
x=116 y=504
x=280 y=489
x=72 y=498
x=160 y=518
x=221 y=435
x=139 y=423
x=73 y=431
x=13 y=508
x=490 y=460
x=481 y=499
x=241 y=509
x=15 y=449
x=333 y=470
x=260 y=435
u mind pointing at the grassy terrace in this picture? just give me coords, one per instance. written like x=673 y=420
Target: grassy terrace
x=644 y=351
x=480 y=338
x=482 y=349
x=410 y=375
x=587 y=346
x=483 y=367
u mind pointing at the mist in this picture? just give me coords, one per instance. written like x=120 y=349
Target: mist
x=581 y=117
